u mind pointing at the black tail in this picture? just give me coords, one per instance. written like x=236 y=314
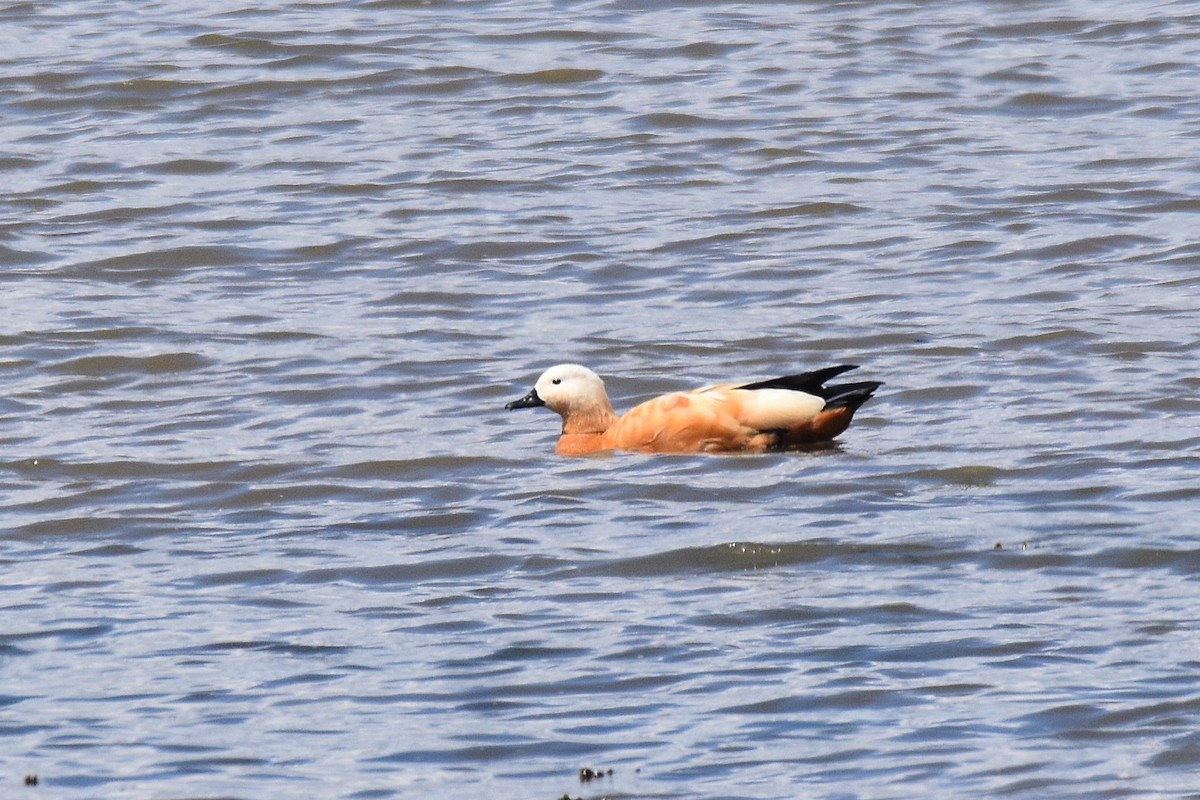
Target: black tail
x=849 y=395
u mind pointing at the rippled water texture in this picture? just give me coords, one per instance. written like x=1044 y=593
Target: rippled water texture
x=269 y=274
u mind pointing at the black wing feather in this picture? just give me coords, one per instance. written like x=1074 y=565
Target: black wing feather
x=808 y=382
x=848 y=395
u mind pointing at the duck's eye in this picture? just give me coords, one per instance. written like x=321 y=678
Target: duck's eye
x=556 y=381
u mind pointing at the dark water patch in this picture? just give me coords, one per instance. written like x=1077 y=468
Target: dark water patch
x=9 y=163
x=588 y=685
x=527 y=653
x=11 y=257
x=1050 y=104
x=110 y=366
x=132 y=469
x=91 y=187
x=75 y=527
x=109 y=550
x=888 y=614
x=674 y=121
x=1167 y=714
x=1057 y=337
x=260 y=645
x=442 y=522
x=1183 y=755
x=503 y=753
x=7 y=700
x=498 y=249
x=212 y=765
x=447 y=627
x=965 y=248
x=239 y=497
x=538 y=33
x=1045 y=297
x=825 y=209
x=1087 y=247
x=971 y=476
x=67 y=633
x=1186 y=562
x=254 y=577
x=739 y=556
x=358 y=190
x=304 y=679
x=834 y=701
x=279 y=336
x=100 y=329
x=112 y=215
x=1035 y=29
x=1023 y=73
x=769 y=616
x=271 y=603
x=1153 y=67
x=943 y=393
x=71 y=586
x=1063 y=194
x=158 y=265
x=565 y=76
x=442 y=82
x=1136 y=350
x=1073 y=722
x=244 y=44
x=400 y=574
x=1181 y=205
x=1166 y=496
x=190 y=166
x=437 y=467
x=1125 y=30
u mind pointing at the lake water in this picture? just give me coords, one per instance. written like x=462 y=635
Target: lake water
x=270 y=272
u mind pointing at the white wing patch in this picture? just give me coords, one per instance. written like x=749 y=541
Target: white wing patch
x=775 y=409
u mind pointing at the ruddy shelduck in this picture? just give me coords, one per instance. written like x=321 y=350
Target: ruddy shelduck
x=785 y=413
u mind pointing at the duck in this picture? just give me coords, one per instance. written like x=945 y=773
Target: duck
x=791 y=412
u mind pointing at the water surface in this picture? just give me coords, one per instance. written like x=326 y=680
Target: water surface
x=269 y=275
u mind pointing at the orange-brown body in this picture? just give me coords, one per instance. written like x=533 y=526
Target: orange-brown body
x=752 y=418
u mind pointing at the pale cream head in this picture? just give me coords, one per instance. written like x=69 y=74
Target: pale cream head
x=571 y=389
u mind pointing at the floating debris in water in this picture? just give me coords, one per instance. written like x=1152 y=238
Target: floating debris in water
x=588 y=774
